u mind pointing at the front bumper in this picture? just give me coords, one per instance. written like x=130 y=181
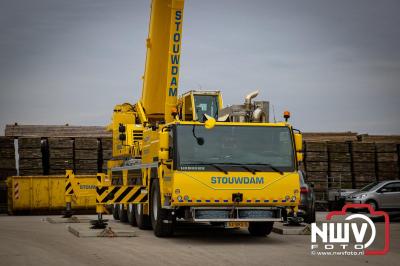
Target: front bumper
x=236 y=214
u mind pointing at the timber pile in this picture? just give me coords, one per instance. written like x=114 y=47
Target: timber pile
x=30 y=156
x=349 y=164
x=106 y=151
x=61 y=154
x=51 y=131
x=7 y=158
x=86 y=157
x=7 y=168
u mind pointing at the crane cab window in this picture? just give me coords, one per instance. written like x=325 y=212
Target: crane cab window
x=206 y=104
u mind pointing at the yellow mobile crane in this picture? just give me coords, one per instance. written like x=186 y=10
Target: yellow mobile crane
x=187 y=159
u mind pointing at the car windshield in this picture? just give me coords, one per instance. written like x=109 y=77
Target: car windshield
x=369 y=186
x=258 y=146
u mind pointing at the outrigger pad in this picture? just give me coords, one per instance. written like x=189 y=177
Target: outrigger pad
x=98 y=224
x=67 y=214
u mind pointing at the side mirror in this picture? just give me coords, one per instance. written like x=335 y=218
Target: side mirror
x=163 y=153
x=298 y=142
x=384 y=190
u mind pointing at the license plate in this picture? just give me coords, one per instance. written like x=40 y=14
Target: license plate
x=237 y=224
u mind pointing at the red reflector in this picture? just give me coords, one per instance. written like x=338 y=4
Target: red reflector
x=303 y=190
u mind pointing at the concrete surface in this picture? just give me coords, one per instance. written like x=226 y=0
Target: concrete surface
x=28 y=240
x=73 y=219
x=113 y=230
x=280 y=228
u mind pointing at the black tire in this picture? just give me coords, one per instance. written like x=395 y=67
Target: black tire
x=123 y=215
x=131 y=215
x=310 y=217
x=260 y=228
x=115 y=211
x=373 y=204
x=162 y=220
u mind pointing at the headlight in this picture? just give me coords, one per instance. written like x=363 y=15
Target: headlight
x=361 y=196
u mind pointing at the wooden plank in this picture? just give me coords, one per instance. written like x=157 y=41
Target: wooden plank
x=7 y=163
x=30 y=164
x=387 y=157
x=35 y=153
x=316 y=146
x=86 y=164
x=388 y=167
x=316 y=156
x=340 y=157
x=343 y=176
x=364 y=157
x=6 y=142
x=60 y=143
x=330 y=136
x=364 y=167
x=26 y=172
x=316 y=176
x=29 y=143
x=86 y=154
x=363 y=147
x=61 y=153
x=340 y=167
x=107 y=155
x=317 y=166
x=48 y=131
x=387 y=176
x=386 y=147
x=338 y=147
x=106 y=143
x=365 y=177
x=61 y=164
x=7 y=152
x=86 y=143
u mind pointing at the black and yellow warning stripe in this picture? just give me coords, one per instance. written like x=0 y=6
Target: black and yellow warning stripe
x=68 y=187
x=121 y=194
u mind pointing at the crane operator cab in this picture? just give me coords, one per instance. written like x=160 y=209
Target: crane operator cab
x=194 y=105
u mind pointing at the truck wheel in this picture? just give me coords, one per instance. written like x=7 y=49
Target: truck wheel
x=260 y=228
x=131 y=215
x=115 y=211
x=142 y=220
x=123 y=216
x=161 y=219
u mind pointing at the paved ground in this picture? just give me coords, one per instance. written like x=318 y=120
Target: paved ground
x=29 y=240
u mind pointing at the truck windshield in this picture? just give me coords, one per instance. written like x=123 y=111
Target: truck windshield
x=259 y=147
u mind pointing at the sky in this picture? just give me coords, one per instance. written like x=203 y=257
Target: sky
x=335 y=65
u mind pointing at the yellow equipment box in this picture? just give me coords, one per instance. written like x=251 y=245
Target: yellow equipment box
x=47 y=193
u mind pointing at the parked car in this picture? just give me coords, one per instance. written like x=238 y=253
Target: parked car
x=380 y=195
x=307 y=200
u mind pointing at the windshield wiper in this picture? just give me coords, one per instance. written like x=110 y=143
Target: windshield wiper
x=251 y=170
x=270 y=166
x=212 y=164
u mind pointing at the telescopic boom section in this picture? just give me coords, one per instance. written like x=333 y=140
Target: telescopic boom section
x=160 y=86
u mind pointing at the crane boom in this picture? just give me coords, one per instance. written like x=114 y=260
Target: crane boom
x=160 y=85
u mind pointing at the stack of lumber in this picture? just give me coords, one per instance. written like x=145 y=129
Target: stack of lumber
x=61 y=154
x=7 y=158
x=7 y=168
x=50 y=131
x=363 y=163
x=30 y=156
x=316 y=166
x=86 y=157
x=388 y=163
x=106 y=150
x=339 y=165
